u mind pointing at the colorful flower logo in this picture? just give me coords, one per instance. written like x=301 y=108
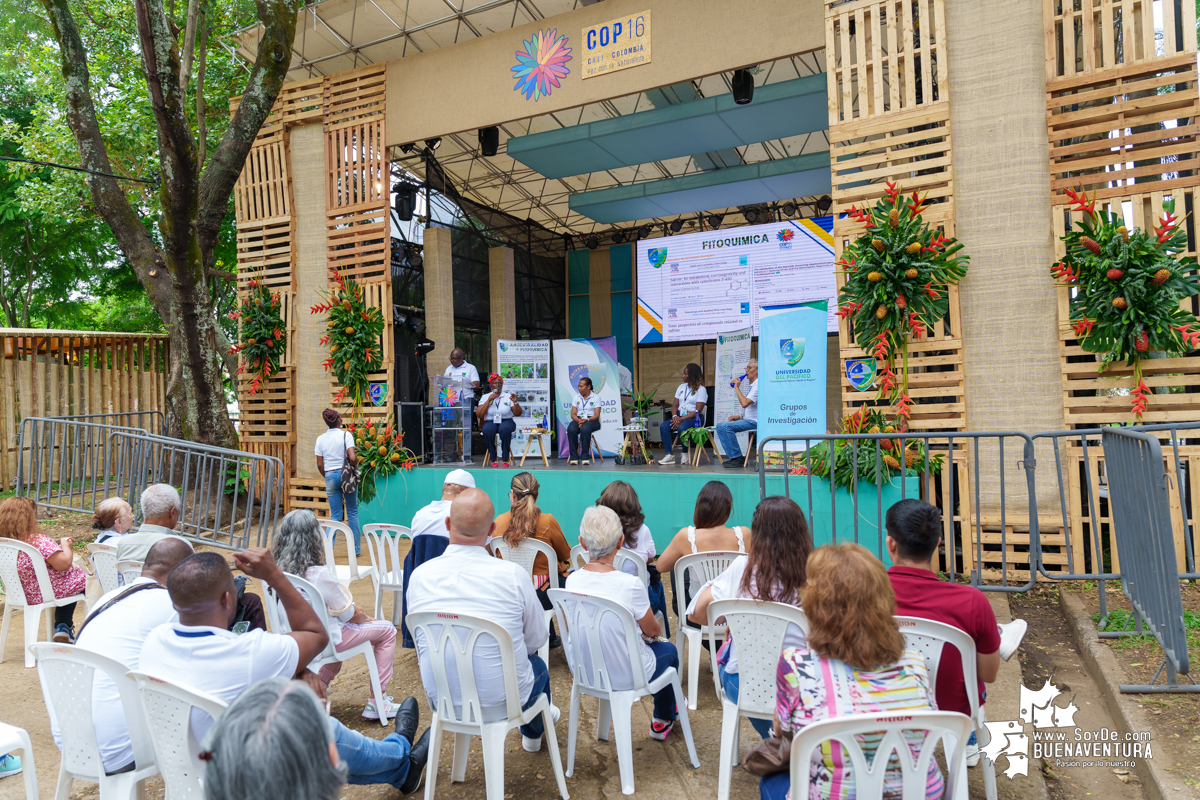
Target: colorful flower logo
x=542 y=64
x=785 y=235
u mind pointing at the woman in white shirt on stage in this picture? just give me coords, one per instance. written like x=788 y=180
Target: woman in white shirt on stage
x=585 y=421
x=496 y=412
x=687 y=411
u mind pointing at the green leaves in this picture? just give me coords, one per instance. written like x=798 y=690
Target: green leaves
x=354 y=330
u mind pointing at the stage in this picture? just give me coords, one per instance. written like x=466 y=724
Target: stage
x=668 y=495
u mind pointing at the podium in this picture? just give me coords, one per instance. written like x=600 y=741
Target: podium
x=450 y=419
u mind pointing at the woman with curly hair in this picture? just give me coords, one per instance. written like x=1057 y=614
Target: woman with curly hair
x=18 y=520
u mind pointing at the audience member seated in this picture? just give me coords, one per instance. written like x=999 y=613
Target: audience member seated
x=621 y=498
x=198 y=651
x=601 y=535
x=274 y=741
x=429 y=531
x=773 y=571
x=714 y=506
x=466 y=579
x=113 y=518
x=298 y=548
x=855 y=662
x=117 y=628
x=18 y=520
x=161 y=508
x=913 y=535
x=524 y=521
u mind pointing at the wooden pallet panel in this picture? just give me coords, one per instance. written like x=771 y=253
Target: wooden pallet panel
x=308 y=493
x=263 y=189
x=1085 y=36
x=354 y=95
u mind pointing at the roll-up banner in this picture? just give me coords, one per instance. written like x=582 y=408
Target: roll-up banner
x=595 y=359
x=791 y=372
x=733 y=351
x=525 y=367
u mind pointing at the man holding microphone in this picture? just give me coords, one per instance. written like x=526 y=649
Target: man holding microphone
x=746 y=421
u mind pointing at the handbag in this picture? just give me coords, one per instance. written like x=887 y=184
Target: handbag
x=774 y=754
x=349 y=471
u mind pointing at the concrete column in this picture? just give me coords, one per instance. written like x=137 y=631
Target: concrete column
x=439 y=298
x=502 y=284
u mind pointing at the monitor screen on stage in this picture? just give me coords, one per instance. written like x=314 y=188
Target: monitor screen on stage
x=693 y=286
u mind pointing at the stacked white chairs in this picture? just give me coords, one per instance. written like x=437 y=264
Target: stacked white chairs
x=14 y=738
x=129 y=571
x=758 y=630
x=104 y=565
x=168 y=712
x=67 y=674
x=349 y=572
x=383 y=545
x=593 y=670
x=279 y=624
x=15 y=600
x=579 y=558
x=949 y=727
x=706 y=566
x=459 y=634
x=929 y=638
x=525 y=554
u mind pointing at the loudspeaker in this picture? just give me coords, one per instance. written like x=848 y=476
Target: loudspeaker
x=412 y=422
x=489 y=140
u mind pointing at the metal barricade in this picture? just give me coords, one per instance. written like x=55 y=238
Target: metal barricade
x=68 y=462
x=957 y=448
x=149 y=421
x=231 y=498
x=1139 y=491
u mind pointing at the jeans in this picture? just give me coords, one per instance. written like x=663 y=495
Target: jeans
x=727 y=432
x=505 y=428
x=579 y=438
x=658 y=602
x=541 y=685
x=333 y=490
x=729 y=682
x=668 y=434
x=371 y=760
x=664 y=699
x=775 y=787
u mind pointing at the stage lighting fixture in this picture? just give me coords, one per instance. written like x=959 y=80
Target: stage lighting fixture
x=751 y=216
x=715 y=220
x=415 y=259
x=406 y=201
x=789 y=209
x=676 y=226
x=408 y=148
x=644 y=232
x=489 y=140
x=593 y=241
x=619 y=237
x=434 y=143
x=423 y=347
x=743 y=87
x=825 y=203
x=567 y=243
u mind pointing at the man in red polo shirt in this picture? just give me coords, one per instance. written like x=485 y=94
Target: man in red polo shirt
x=914 y=532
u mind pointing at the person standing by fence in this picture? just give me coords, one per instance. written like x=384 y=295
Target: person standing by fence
x=335 y=452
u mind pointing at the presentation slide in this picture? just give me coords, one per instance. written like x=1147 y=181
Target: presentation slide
x=693 y=286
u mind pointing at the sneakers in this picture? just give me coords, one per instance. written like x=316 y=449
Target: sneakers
x=660 y=730
x=574 y=462
x=586 y=463
x=972 y=755
x=372 y=711
x=417 y=757
x=495 y=464
x=506 y=464
x=734 y=462
x=9 y=765
x=535 y=745
x=1011 y=634
x=669 y=458
x=64 y=633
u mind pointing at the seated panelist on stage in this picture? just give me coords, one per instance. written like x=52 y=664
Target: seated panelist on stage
x=496 y=411
x=727 y=431
x=460 y=368
x=687 y=410
x=585 y=421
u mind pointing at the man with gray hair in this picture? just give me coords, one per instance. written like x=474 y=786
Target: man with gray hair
x=161 y=508
x=738 y=423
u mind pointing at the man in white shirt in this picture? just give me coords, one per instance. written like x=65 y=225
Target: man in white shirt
x=431 y=519
x=117 y=628
x=459 y=368
x=746 y=421
x=160 y=506
x=466 y=579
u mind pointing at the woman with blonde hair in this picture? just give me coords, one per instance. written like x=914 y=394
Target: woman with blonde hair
x=854 y=662
x=524 y=520
x=113 y=518
x=18 y=520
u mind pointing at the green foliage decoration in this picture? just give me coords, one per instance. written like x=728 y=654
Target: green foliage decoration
x=381 y=454
x=873 y=460
x=353 y=339
x=263 y=341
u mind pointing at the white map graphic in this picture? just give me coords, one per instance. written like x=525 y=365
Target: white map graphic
x=1008 y=738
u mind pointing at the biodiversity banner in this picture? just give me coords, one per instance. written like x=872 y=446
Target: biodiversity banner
x=595 y=359
x=791 y=372
x=733 y=351
x=525 y=367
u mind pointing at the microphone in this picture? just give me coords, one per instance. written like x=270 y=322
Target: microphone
x=734 y=384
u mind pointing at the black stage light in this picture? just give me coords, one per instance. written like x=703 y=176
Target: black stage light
x=489 y=140
x=825 y=203
x=676 y=226
x=415 y=259
x=715 y=220
x=789 y=208
x=408 y=148
x=644 y=232
x=619 y=237
x=751 y=216
x=593 y=241
x=743 y=87
x=423 y=347
x=434 y=143
x=567 y=243
x=406 y=201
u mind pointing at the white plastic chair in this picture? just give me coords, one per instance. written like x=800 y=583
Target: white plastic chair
x=14 y=595
x=129 y=571
x=168 y=712
x=759 y=630
x=279 y=624
x=579 y=558
x=459 y=634
x=67 y=674
x=383 y=545
x=14 y=738
x=525 y=554
x=350 y=571
x=929 y=638
x=707 y=566
x=592 y=670
x=949 y=727
x=104 y=565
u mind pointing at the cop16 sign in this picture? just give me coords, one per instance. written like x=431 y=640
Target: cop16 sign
x=616 y=45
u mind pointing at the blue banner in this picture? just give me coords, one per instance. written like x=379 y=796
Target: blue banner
x=791 y=371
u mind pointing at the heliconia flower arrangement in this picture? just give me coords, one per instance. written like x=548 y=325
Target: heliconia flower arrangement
x=872 y=460
x=381 y=454
x=261 y=339
x=1126 y=289
x=353 y=338
x=898 y=276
